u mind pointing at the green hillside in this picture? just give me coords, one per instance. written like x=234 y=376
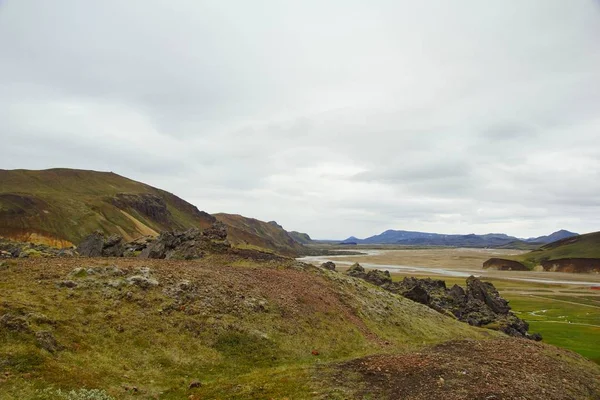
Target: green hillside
x=582 y=246
x=250 y=232
x=61 y=206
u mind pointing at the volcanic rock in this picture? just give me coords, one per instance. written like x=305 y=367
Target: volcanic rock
x=328 y=265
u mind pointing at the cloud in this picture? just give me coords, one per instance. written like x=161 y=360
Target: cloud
x=337 y=118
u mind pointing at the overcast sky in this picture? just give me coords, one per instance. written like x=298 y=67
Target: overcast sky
x=336 y=118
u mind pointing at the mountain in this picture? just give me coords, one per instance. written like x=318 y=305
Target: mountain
x=61 y=206
x=412 y=238
x=229 y=328
x=553 y=237
x=302 y=238
x=579 y=253
x=244 y=231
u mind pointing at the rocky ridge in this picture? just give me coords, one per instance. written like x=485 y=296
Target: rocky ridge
x=479 y=305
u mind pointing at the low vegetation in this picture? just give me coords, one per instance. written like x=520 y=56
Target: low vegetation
x=220 y=327
x=583 y=246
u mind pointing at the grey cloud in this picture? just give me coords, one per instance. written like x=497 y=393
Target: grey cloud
x=337 y=118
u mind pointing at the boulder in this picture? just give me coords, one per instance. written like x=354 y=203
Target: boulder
x=418 y=294
x=328 y=265
x=92 y=245
x=487 y=293
x=114 y=246
x=189 y=244
x=378 y=277
x=356 y=270
x=218 y=231
x=142 y=281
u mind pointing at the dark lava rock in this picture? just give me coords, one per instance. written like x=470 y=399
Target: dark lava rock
x=418 y=294
x=328 y=265
x=97 y=245
x=378 y=277
x=187 y=245
x=92 y=245
x=480 y=305
x=113 y=246
x=47 y=341
x=150 y=205
x=218 y=231
x=356 y=270
x=487 y=293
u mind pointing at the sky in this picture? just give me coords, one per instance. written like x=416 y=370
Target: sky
x=335 y=118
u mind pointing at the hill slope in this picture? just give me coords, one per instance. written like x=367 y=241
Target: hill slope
x=574 y=254
x=244 y=231
x=582 y=246
x=224 y=328
x=61 y=206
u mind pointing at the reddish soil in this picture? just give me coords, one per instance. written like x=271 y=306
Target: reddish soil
x=500 y=369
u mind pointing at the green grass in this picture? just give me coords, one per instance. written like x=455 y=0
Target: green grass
x=561 y=309
x=145 y=339
x=562 y=324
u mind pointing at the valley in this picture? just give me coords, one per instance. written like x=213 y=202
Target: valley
x=563 y=307
x=113 y=289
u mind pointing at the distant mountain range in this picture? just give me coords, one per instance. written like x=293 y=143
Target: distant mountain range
x=497 y=240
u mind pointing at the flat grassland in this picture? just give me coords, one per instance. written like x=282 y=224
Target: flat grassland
x=567 y=315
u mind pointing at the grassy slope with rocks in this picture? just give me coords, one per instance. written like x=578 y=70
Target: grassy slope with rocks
x=60 y=207
x=238 y=329
x=253 y=233
x=582 y=246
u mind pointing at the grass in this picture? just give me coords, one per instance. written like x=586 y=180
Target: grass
x=248 y=332
x=564 y=322
x=583 y=246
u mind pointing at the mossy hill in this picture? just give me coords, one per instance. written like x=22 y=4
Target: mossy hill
x=253 y=233
x=225 y=327
x=568 y=251
x=59 y=207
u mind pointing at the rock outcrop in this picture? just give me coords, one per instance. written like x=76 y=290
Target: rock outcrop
x=187 y=245
x=11 y=249
x=503 y=264
x=375 y=276
x=147 y=204
x=579 y=265
x=97 y=245
x=479 y=305
x=328 y=265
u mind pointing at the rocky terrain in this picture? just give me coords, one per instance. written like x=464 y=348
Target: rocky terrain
x=479 y=305
x=253 y=233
